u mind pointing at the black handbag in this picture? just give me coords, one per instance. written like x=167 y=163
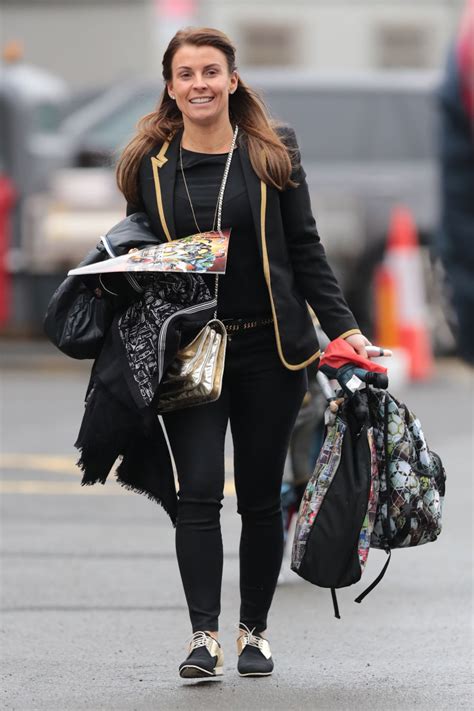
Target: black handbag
x=77 y=319
x=82 y=308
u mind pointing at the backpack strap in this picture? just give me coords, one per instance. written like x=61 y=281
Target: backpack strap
x=377 y=579
x=386 y=523
x=335 y=605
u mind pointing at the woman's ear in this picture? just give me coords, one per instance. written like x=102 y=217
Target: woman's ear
x=234 y=81
x=169 y=89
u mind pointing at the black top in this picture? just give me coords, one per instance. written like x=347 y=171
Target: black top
x=242 y=289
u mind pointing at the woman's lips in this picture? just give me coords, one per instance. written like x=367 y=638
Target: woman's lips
x=197 y=101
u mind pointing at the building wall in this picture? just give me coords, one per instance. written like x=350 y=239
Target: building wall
x=84 y=42
x=92 y=42
x=338 y=34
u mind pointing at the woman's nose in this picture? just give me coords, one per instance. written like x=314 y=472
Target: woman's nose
x=199 y=82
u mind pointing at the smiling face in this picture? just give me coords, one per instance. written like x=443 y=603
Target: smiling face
x=201 y=84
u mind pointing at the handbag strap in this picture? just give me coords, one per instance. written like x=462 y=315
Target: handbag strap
x=220 y=201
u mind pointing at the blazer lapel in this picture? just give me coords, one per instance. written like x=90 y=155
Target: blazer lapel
x=163 y=166
x=254 y=190
x=260 y=195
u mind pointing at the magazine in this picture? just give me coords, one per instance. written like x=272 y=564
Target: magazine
x=204 y=252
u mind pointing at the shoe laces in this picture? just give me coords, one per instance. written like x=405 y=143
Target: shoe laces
x=254 y=640
x=198 y=639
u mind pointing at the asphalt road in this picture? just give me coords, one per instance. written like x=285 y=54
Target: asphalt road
x=93 y=615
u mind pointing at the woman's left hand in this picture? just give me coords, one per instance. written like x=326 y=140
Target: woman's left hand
x=358 y=342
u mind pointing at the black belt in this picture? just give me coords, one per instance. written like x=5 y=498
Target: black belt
x=235 y=325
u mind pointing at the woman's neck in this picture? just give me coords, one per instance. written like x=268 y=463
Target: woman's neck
x=207 y=139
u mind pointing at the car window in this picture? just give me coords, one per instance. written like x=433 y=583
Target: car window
x=46 y=117
x=113 y=132
x=358 y=125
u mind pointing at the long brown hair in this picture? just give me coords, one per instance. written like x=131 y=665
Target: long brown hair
x=269 y=156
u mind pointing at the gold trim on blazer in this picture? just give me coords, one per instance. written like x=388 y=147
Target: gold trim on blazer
x=156 y=163
x=266 y=271
x=351 y=332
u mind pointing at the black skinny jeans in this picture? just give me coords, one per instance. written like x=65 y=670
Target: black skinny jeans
x=261 y=398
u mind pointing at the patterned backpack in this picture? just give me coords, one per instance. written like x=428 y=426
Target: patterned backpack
x=376 y=484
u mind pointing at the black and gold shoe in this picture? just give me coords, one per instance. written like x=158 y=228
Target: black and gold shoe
x=205 y=658
x=255 y=657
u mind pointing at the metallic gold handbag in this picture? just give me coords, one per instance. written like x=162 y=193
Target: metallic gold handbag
x=195 y=375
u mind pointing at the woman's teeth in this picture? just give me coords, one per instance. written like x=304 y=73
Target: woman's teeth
x=204 y=100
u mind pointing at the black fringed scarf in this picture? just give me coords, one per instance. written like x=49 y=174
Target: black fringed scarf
x=120 y=419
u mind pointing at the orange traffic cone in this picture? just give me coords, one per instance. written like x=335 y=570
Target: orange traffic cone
x=386 y=313
x=401 y=313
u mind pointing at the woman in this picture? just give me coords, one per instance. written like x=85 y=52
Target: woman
x=172 y=170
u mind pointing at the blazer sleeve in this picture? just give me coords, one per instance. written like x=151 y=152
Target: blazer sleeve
x=314 y=277
x=139 y=206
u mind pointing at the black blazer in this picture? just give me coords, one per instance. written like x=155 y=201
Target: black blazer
x=293 y=258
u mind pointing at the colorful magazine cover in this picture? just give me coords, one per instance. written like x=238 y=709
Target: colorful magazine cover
x=200 y=253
